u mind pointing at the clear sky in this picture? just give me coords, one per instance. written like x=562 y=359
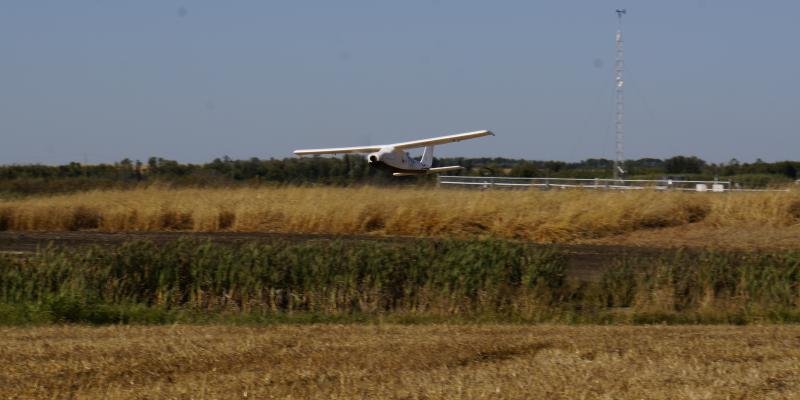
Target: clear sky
x=99 y=81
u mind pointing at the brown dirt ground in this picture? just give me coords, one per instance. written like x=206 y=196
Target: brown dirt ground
x=703 y=236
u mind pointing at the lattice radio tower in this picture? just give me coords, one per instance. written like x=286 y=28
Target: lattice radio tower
x=620 y=95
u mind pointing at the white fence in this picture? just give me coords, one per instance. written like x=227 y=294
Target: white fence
x=484 y=182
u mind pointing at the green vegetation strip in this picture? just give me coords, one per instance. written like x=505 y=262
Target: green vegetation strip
x=418 y=281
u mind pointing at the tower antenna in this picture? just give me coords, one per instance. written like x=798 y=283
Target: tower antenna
x=620 y=96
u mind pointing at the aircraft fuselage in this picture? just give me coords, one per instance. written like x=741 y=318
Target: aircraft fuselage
x=396 y=160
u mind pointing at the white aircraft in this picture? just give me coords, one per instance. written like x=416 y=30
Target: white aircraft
x=393 y=157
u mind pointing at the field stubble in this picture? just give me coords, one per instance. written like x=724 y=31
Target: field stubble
x=649 y=218
x=404 y=362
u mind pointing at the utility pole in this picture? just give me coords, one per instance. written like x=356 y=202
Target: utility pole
x=620 y=95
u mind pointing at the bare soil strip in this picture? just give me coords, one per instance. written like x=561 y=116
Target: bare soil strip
x=387 y=361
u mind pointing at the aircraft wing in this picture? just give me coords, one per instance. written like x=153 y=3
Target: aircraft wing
x=338 y=150
x=441 y=140
x=404 y=145
x=438 y=170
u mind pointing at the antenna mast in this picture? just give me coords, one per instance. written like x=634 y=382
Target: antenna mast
x=620 y=95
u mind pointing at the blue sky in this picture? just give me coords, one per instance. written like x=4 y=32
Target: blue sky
x=99 y=81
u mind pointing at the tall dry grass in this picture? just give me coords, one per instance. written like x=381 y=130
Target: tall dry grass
x=553 y=216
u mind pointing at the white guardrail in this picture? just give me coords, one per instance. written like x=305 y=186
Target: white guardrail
x=490 y=182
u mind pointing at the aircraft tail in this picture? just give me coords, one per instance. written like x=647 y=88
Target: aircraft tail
x=427 y=157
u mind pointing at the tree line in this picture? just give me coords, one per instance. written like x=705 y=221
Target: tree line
x=348 y=170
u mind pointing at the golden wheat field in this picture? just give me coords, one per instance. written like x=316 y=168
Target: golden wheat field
x=413 y=361
x=641 y=217
x=401 y=362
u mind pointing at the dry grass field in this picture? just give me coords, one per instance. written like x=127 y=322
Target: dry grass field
x=645 y=218
x=401 y=362
x=417 y=361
